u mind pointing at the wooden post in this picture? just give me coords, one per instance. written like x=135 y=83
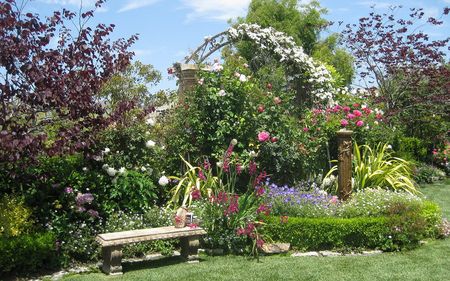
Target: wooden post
x=344 y=164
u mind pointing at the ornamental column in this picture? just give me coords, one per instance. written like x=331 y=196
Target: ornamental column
x=188 y=79
x=344 y=164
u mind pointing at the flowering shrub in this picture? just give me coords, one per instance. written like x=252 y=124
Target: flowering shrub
x=207 y=118
x=441 y=156
x=423 y=172
x=271 y=43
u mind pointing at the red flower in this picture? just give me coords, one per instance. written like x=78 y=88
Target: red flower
x=274 y=140
x=261 y=108
x=269 y=86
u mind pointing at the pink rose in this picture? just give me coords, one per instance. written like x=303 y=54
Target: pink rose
x=269 y=86
x=261 y=109
x=357 y=113
x=346 y=108
x=350 y=116
x=305 y=129
x=263 y=136
x=378 y=116
x=356 y=105
x=360 y=123
x=344 y=122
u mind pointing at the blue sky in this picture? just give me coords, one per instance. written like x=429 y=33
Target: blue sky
x=169 y=29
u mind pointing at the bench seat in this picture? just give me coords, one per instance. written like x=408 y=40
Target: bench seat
x=112 y=244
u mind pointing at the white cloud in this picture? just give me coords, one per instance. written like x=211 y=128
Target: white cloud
x=142 y=52
x=84 y=3
x=135 y=4
x=219 y=10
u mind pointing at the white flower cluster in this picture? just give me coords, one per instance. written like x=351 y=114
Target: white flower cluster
x=285 y=47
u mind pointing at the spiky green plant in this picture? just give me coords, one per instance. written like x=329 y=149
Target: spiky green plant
x=182 y=192
x=377 y=168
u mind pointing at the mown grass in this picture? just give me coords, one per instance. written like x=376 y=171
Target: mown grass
x=429 y=262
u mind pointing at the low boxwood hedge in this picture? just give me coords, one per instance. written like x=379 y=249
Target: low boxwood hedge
x=329 y=233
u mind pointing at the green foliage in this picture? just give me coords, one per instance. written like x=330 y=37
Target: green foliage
x=28 y=253
x=327 y=233
x=376 y=168
x=130 y=84
x=14 y=216
x=423 y=172
x=408 y=226
x=133 y=191
x=433 y=216
x=411 y=149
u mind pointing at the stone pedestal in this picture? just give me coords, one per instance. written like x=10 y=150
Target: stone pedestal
x=344 y=164
x=189 y=248
x=112 y=260
x=188 y=79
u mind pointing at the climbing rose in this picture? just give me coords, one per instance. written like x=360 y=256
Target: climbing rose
x=263 y=136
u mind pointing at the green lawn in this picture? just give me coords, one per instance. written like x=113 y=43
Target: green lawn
x=429 y=262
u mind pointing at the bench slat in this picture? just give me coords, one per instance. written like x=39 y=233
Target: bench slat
x=141 y=235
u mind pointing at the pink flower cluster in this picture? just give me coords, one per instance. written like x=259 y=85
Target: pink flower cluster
x=263 y=208
x=224 y=199
x=196 y=195
x=346 y=114
x=250 y=229
x=284 y=219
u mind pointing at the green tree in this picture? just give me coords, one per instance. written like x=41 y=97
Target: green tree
x=131 y=84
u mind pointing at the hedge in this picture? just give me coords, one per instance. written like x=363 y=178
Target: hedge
x=328 y=233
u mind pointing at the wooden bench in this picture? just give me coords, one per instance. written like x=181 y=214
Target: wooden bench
x=112 y=244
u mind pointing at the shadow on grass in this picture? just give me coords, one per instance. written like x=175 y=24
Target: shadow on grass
x=128 y=266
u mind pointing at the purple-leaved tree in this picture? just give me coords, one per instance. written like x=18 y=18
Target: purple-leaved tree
x=47 y=105
x=403 y=68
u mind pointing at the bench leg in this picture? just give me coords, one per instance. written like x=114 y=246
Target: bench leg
x=189 y=248
x=112 y=260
